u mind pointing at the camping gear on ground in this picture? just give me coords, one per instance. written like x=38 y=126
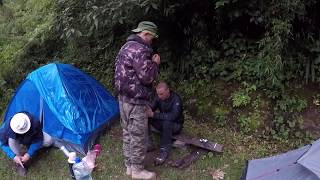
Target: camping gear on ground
x=65 y=151
x=199 y=146
x=90 y=159
x=299 y=164
x=97 y=149
x=199 y=142
x=188 y=159
x=71 y=159
x=70 y=165
x=81 y=170
x=84 y=168
x=73 y=107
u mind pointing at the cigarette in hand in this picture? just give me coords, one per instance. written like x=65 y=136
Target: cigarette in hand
x=21 y=164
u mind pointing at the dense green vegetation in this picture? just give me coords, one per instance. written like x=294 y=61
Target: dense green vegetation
x=239 y=64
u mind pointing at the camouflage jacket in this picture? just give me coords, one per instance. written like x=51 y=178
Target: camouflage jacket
x=135 y=71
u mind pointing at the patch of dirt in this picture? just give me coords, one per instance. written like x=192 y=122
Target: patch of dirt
x=311 y=118
x=311 y=115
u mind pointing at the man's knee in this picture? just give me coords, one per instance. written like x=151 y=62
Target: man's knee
x=47 y=140
x=167 y=125
x=154 y=129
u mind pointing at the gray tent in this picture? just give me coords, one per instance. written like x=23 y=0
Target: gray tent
x=299 y=164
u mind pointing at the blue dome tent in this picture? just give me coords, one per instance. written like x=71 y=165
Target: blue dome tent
x=74 y=108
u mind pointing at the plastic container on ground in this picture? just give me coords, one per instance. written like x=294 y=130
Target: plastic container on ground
x=81 y=170
x=65 y=150
x=91 y=156
x=71 y=159
x=90 y=159
x=97 y=149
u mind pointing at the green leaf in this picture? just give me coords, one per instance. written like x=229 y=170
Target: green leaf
x=154 y=6
x=221 y=3
x=96 y=23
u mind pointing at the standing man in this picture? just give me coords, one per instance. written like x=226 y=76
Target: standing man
x=168 y=120
x=136 y=69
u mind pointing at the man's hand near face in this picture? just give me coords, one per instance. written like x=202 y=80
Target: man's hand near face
x=156 y=58
x=149 y=112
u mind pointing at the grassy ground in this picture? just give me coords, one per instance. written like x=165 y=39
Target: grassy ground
x=51 y=163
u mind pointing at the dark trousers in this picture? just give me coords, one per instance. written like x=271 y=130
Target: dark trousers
x=166 y=129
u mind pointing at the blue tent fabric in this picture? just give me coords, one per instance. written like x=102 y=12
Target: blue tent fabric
x=72 y=105
x=299 y=164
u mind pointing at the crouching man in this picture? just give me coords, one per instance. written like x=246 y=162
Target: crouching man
x=166 y=117
x=22 y=130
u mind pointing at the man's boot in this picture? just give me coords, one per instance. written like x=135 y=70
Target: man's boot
x=20 y=170
x=142 y=174
x=162 y=157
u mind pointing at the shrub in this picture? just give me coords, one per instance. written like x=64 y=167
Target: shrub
x=242 y=96
x=249 y=123
x=220 y=115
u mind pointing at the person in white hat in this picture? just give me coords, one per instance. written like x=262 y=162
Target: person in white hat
x=21 y=130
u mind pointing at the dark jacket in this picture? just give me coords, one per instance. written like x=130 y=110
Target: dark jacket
x=135 y=71
x=170 y=109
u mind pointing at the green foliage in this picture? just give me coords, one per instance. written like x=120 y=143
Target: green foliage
x=5 y=94
x=25 y=42
x=198 y=44
x=220 y=115
x=280 y=132
x=312 y=69
x=200 y=99
x=249 y=123
x=287 y=122
x=291 y=104
x=23 y=24
x=242 y=96
x=252 y=121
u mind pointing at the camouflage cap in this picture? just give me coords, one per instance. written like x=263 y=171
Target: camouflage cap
x=147 y=26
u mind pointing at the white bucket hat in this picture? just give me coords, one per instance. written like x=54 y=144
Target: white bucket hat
x=20 y=123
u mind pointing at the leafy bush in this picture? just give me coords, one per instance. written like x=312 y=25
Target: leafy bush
x=5 y=95
x=287 y=122
x=220 y=115
x=25 y=42
x=291 y=104
x=242 y=96
x=249 y=123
